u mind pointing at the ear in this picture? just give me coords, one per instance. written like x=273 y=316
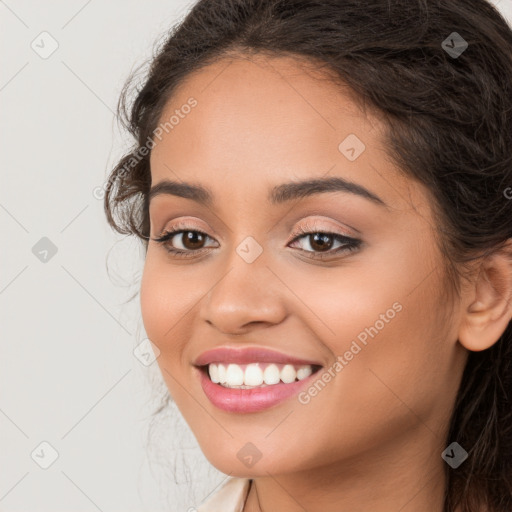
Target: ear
x=488 y=308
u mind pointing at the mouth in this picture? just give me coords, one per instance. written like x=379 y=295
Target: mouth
x=253 y=387
x=256 y=375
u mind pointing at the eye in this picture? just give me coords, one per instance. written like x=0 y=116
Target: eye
x=191 y=241
x=323 y=241
x=320 y=243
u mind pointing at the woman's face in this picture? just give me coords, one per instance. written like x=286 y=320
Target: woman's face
x=374 y=314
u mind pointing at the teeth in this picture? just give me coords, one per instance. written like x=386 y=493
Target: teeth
x=253 y=375
x=271 y=375
x=256 y=374
x=288 y=374
x=213 y=370
x=303 y=372
x=234 y=375
x=222 y=373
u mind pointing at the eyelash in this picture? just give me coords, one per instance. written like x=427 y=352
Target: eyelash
x=350 y=244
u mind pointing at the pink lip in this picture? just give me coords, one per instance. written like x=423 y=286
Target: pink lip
x=250 y=400
x=248 y=355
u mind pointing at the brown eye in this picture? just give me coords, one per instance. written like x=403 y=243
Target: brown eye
x=192 y=239
x=320 y=241
x=321 y=244
x=183 y=242
x=190 y=242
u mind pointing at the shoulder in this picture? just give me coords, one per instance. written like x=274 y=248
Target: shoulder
x=229 y=498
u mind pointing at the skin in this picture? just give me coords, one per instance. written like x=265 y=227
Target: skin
x=372 y=438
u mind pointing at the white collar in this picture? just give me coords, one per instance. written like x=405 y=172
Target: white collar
x=229 y=498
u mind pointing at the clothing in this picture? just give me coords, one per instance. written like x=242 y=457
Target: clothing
x=229 y=498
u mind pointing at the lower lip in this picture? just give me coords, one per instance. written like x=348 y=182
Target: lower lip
x=250 y=400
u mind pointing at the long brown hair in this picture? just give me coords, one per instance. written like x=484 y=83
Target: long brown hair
x=449 y=120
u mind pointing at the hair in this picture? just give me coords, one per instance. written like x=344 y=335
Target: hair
x=448 y=125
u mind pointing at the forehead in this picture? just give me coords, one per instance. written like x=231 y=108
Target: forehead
x=263 y=120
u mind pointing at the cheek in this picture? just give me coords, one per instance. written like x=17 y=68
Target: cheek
x=385 y=317
x=388 y=383
x=163 y=310
x=155 y=304
x=167 y=293
x=163 y=304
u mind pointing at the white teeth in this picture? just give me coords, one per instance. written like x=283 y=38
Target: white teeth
x=213 y=371
x=252 y=375
x=303 y=372
x=271 y=375
x=288 y=373
x=222 y=372
x=234 y=375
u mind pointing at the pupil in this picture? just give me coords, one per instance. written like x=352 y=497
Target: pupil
x=322 y=240
x=191 y=237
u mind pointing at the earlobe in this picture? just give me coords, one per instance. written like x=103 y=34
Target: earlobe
x=488 y=306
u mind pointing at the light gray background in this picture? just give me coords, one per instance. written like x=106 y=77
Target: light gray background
x=68 y=375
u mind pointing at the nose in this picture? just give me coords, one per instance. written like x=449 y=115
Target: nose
x=244 y=296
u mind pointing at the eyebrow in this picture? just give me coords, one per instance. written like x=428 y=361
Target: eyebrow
x=278 y=194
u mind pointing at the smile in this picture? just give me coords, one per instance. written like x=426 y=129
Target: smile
x=253 y=387
x=247 y=376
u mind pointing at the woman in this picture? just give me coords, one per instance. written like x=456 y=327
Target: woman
x=323 y=190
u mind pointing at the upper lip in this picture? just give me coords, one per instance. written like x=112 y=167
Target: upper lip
x=248 y=355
